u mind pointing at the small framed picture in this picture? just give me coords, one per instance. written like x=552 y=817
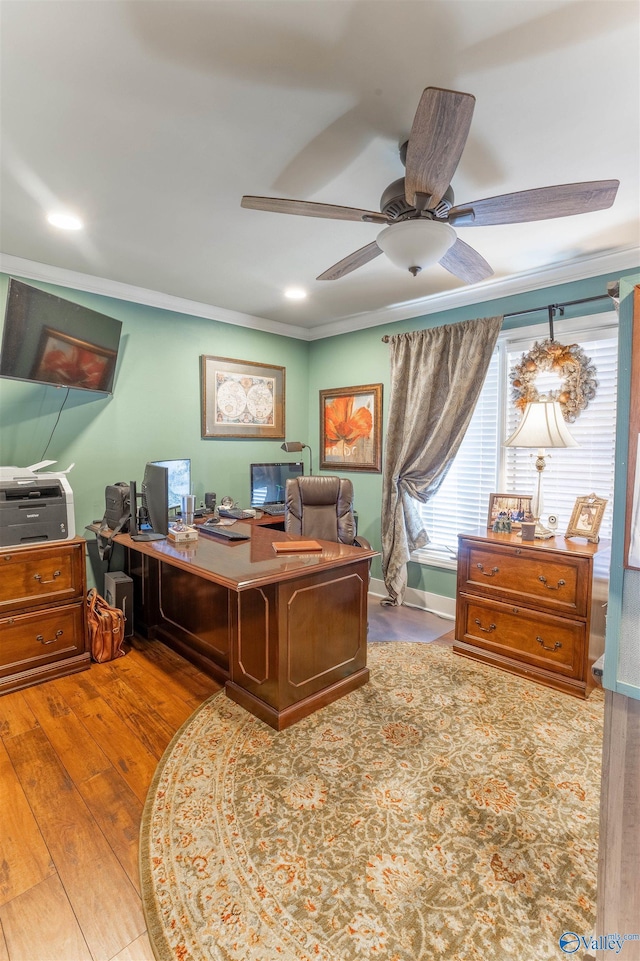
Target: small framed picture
x=351 y=428
x=586 y=518
x=514 y=507
x=241 y=398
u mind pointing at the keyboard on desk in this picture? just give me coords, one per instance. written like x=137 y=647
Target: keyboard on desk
x=224 y=533
x=235 y=512
x=274 y=510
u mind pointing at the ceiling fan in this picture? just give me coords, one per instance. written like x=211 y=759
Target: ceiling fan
x=418 y=210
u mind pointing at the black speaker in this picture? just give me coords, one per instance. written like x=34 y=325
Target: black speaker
x=210 y=500
x=118 y=592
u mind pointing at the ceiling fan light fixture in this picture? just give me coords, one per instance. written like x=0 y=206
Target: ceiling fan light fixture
x=416 y=244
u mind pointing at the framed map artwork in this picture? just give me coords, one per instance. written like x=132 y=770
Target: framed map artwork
x=241 y=398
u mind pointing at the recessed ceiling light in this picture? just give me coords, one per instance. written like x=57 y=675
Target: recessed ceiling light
x=64 y=220
x=295 y=293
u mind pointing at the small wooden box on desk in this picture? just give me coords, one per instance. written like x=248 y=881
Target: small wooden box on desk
x=525 y=606
x=42 y=613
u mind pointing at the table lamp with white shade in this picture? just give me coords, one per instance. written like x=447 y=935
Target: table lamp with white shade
x=542 y=426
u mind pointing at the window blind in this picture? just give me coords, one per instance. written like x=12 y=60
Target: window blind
x=578 y=471
x=483 y=466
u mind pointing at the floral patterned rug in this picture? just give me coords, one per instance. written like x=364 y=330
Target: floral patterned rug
x=446 y=810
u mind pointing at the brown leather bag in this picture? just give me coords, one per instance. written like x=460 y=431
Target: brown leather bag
x=106 y=628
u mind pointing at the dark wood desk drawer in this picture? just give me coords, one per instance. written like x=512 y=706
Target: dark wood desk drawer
x=542 y=640
x=29 y=640
x=41 y=576
x=553 y=582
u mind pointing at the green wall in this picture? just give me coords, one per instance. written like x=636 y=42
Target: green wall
x=154 y=413
x=362 y=358
x=621 y=672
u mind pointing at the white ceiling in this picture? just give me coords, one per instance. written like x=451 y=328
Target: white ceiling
x=152 y=118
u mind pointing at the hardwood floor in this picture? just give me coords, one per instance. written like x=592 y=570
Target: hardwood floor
x=406 y=624
x=77 y=755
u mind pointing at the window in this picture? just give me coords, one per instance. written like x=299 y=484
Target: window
x=483 y=466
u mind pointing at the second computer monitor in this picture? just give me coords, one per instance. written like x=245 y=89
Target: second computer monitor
x=155 y=495
x=269 y=481
x=179 y=479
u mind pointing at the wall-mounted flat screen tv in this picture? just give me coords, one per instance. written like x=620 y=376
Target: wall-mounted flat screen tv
x=48 y=340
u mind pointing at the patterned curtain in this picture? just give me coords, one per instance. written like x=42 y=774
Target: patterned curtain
x=436 y=378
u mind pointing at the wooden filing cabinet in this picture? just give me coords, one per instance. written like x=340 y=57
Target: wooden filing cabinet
x=43 y=621
x=525 y=606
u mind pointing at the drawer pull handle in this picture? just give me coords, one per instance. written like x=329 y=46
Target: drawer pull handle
x=550 y=587
x=40 y=638
x=38 y=577
x=486 y=630
x=494 y=570
x=554 y=648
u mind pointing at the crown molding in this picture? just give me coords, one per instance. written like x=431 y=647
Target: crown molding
x=31 y=270
x=582 y=268
x=579 y=269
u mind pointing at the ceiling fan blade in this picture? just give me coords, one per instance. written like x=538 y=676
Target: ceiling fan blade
x=305 y=208
x=464 y=262
x=438 y=135
x=357 y=259
x=543 y=203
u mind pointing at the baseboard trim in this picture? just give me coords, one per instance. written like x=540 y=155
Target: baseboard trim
x=423 y=600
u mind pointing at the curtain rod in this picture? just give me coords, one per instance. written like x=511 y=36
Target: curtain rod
x=560 y=307
x=550 y=308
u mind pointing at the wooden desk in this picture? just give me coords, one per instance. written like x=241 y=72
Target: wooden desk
x=286 y=634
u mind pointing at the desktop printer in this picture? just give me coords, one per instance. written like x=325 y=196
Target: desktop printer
x=35 y=507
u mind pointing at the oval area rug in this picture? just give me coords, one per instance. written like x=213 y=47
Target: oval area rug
x=445 y=810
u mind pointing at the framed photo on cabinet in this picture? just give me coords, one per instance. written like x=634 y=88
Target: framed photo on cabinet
x=586 y=518
x=514 y=507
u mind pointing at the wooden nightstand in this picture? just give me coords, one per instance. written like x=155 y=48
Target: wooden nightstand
x=525 y=606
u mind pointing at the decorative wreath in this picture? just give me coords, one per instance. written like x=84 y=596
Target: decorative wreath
x=578 y=374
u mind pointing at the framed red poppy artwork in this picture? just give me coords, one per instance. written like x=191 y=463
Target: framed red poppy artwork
x=351 y=428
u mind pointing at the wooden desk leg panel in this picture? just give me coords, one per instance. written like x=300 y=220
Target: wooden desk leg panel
x=144 y=572
x=187 y=613
x=301 y=644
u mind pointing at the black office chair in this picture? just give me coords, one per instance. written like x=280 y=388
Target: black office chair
x=322 y=507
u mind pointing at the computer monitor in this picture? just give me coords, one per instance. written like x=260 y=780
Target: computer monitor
x=268 y=482
x=155 y=497
x=179 y=480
